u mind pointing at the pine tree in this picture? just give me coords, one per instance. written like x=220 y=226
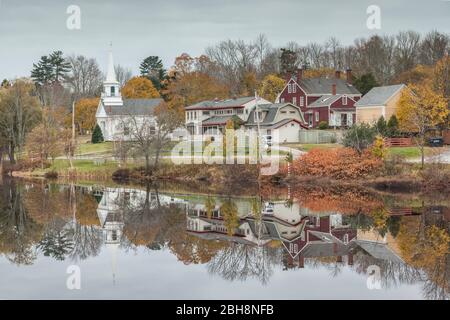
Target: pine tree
x=97 y=135
x=152 y=68
x=381 y=126
x=392 y=127
x=60 y=66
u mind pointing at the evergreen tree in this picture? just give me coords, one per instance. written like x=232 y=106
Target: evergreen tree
x=42 y=72
x=381 y=126
x=288 y=61
x=97 y=135
x=60 y=66
x=365 y=83
x=152 y=68
x=392 y=127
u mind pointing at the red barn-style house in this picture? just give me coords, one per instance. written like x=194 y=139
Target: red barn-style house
x=325 y=99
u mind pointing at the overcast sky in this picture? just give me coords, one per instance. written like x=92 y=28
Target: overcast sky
x=32 y=28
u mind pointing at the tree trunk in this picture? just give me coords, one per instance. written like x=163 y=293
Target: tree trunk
x=147 y=164
x=12 y=158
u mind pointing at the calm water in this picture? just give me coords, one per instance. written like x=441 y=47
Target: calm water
x=163 y=243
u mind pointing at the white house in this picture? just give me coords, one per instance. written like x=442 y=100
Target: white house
x=113 y=111
x=283 y=121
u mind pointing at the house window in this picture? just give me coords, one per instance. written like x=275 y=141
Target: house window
x=152 y=129
x=344 y=100
x=346 y=238
x=282 y=100
x=292 y=112
x=317 y=116
x=294 y=88
x=113 y=91
x=205 y=113
x=294 y=100
x=292 y=124
x=283 y=111
x=289 y=88
x=302 y=101
x=259 y=116
x=126 y=131
x=240 y=111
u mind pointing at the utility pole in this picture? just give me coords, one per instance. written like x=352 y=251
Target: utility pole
x=72 y=147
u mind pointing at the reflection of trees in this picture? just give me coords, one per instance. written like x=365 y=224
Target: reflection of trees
x=87 y=241
x=241 y=262
x=18 y=232
x=56 y=241
x=229 y=212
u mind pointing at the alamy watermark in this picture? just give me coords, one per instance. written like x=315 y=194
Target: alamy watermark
x=73 y=282
x=232 y=147
x=374 y=19
x=73 y=21
x=373 y=281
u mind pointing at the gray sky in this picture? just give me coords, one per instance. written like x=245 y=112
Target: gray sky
x=32 y=28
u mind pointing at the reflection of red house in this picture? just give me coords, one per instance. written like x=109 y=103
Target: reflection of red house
x=321 y=238
x=323 y=99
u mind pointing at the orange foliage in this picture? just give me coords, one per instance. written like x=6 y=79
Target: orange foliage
x=342 y=163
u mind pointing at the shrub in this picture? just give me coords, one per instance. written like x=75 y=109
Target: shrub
x=323 y=125
x=392 y=127
x=121 y=174
x=51 y=175
x=341 y=163
x=359 y=137
x=97 y=135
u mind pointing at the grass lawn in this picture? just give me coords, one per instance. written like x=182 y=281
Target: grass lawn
x=408 y=152
x=93 y=148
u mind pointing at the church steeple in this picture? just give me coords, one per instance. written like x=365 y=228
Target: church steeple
x=111 y=94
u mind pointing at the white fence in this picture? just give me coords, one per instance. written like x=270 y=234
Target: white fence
x=317 y=136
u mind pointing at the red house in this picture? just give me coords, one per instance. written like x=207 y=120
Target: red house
x=323 y=99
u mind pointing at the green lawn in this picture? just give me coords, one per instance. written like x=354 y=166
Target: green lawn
x=93 y=148
x=407 y=152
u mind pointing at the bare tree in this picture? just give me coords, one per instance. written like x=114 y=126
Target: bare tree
x=433 y=47
x=85 y=77
x=406 y=52
x=123 y=74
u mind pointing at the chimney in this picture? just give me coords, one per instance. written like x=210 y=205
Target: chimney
x=349 y=76
x=299 y=74
x=333 y=89
x=301 y=261
x=337 y=74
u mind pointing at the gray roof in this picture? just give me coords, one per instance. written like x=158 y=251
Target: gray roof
x=321 y=86
x=379 y=251
x=136 y=107
x=325 y=100
x=216 y=120
x=379 y=96
x=228 y=103
x=271 y=113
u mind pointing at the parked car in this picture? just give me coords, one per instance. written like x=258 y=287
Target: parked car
x=436 y=142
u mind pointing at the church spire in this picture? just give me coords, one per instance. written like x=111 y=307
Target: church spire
x=111 y=74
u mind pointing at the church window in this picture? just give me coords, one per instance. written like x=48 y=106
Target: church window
x=113 y=91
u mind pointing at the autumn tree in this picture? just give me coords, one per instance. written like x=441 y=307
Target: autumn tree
x=85 y=110
x=441 y=77
x=19 y=113
x=139 y=88
x=229 y=212
x=420 y=109
x=271 y=86
x=190 y=84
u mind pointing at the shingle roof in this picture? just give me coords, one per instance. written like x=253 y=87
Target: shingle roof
x=211 y=104
x=216 y=120
x=271 y=113
x=134 y=107
x=379 y=96
x=325 y=100
x=320 y=86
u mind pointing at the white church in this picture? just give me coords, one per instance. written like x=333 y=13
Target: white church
x=114 y=112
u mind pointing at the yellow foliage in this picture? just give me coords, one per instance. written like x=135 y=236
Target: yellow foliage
x=85 y=110
x=270 y=87
x=139 y=88
x=421 y=108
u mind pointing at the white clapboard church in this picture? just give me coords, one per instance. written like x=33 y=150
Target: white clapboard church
x=114 y=111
